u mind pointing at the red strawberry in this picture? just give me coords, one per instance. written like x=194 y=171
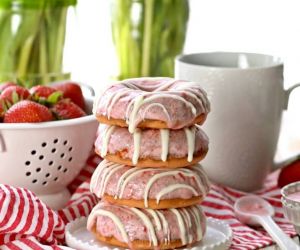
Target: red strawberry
x=73 y=91
x=4 y=85
x=13 y=94
x=66 y=109
x=289 y=174
x=42 y=91
x=27 y=111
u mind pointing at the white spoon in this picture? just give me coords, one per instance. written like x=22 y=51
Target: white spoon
x=253 y=210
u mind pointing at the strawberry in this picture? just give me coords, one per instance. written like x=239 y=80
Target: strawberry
x=42 y=91
x=66 y=109
x=73 y=91
x=27 y=111
x=4 y=85
x=45 y=94
x=13 y=94
x=289 y=174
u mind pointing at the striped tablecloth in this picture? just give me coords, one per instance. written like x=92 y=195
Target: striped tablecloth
x=27 y=223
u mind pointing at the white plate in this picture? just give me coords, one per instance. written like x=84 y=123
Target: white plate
x=218 y=237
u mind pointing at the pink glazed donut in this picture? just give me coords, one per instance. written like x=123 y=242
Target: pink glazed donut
x=146 y=228
x=152 y=147
x=152 y=103
x=155 y=188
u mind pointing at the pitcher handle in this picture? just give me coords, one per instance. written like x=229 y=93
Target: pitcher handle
x=2 y=144
x=287 y=94
x=288 y=161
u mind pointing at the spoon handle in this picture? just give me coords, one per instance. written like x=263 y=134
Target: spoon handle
x=283 y=241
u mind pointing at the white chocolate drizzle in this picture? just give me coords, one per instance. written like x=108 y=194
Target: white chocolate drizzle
x=106 y=138
x=115 y=98
x=173 y=187
x=182 y=227
x=164 y=136
x=137 y=103
x=106 y=170
x=187 y=219
x=148 y=224
x=195 y=213
x=166 y=229
x=155 y=217
x=113 y=217
x=137 y=136
x=188 y=222
x=190 y=137
x=143 y=94
x=122 y=180
x=156 y=105
x=129 y=178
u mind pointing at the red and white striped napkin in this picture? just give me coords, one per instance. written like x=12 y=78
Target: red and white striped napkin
x=27 y=223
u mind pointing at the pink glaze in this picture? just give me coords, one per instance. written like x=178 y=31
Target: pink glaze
x=136 y=229
x=254 y=208
x=150 y=147
x=294 y=196
x=135 y=188
x=178 y=115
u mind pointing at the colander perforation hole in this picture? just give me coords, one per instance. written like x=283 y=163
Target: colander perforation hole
x=70 y=149
x=55 y=141
x=34 y=181
x=28 y=173
x=41 y=157
x=70 y=159
x=33 y=152
x=47 y=175
x=65 y=142
x=65 y=170
x=27 y=163
x=53 y=150
x=38 y=170
x=44 y=183
x=59 y=167
x=56 y=179
x=62 y=155
x=50 y=163
x=44 y=144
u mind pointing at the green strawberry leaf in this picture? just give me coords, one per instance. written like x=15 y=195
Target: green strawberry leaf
x=42 y=101
x=4 y=106
x=54 y=97
x=7 y=104
x=15 y=97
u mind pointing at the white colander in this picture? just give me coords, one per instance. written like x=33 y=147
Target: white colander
x=46 y=157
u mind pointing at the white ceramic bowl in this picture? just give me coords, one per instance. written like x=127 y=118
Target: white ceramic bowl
x=46 y=157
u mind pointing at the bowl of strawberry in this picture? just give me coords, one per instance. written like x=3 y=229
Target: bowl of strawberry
x=46 y=136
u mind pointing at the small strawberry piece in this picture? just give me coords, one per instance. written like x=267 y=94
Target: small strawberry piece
x=42 y=91
x=27 y=111
x=4 y=85
x=73 y=91
x=13 y=94
x=66 y=109
x=289 y=174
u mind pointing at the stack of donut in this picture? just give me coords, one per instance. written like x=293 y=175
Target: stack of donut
x=150 y=183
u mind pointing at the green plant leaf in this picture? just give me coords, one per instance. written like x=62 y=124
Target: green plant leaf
x=15 y=97
x=54 y=97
